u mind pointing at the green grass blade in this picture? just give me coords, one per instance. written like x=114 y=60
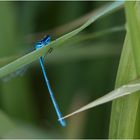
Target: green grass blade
x=117 y=93
x=28 y=58
x=134 y=32
x=79 y=39
x=124 y=111
x=62 y=29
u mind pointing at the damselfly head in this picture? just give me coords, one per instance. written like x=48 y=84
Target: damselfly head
x=38 y=45
x=43 y=42
x=46 y=40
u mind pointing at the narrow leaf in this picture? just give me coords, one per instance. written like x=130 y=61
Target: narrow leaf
x=125 y=110
x=117 y=93
x=30 y=57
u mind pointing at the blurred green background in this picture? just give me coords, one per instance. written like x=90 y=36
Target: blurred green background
x=78 y=72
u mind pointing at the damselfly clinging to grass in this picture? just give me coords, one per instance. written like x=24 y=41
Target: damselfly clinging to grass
x=38 y=45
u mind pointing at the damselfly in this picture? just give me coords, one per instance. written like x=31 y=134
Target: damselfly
x=38 y=45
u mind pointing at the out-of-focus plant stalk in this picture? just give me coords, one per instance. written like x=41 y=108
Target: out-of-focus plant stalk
x=124 y=115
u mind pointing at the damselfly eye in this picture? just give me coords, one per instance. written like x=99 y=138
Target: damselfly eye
x=46 y=40
x=38 y=45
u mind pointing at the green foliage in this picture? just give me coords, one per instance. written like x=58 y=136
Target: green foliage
x=9 y=68
x=81 y=68
x=125 y=111
x=117 y=93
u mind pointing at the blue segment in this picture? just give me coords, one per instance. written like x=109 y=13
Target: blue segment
x=43 y=42
x=40 y=44
x=46 y=40
x=51 y=93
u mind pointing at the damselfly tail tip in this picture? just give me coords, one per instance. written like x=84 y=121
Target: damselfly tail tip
x=62 y=122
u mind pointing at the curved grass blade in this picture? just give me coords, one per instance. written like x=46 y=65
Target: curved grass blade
x=62 y=29
x=125 y=111
x=77 y=39
x=117 y=93
x=30 y=57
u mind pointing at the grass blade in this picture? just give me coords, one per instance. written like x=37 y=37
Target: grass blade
x=134 y=32
x=28 y=58
x=63 y=28
x=79 y=39
x=124 y=110
x=117 y=93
